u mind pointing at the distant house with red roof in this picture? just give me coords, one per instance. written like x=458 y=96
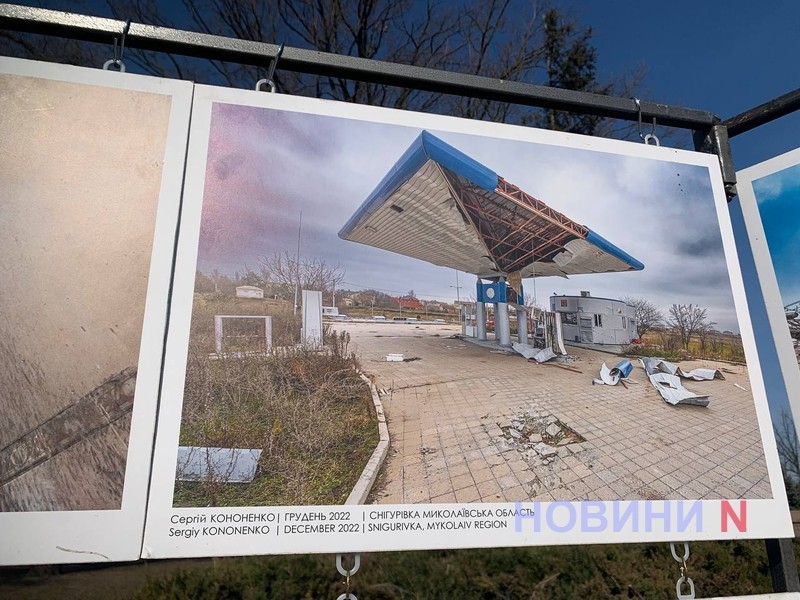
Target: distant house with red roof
x=409 y=302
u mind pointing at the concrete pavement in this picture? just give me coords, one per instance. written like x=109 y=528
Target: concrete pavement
x=464 y=422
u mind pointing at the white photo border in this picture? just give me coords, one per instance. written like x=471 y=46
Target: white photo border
x=765 y=271
x=115 y=535
x=168 y=532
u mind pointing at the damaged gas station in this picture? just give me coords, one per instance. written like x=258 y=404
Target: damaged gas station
x=471 y=421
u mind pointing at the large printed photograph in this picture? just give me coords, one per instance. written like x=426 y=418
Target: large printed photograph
x=386 y=324
x=537 y=322
x=88 y=172
x=770 y=199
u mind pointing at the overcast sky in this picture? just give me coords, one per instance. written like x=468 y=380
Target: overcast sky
x=265 y=166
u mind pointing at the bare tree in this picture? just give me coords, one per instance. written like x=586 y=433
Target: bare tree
x=788 y=446
x=686 y=320
x=286 y=274
x=704 y=332
x=513 y=40
x=789 y=455
x=647 y=314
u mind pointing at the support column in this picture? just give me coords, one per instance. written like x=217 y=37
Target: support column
x=502 y=327
x=480 y=313
x=480 y=316
x=522 y=324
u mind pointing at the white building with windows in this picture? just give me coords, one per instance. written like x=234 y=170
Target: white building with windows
x=587 y=320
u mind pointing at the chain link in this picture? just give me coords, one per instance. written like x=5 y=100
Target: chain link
x=347 y=573
x=684 y=579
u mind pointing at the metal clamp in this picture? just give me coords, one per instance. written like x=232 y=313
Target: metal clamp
x=270 y=74
x=650 y=137
x=116 y=62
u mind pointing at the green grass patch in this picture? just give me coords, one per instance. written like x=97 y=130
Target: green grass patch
x=308 y=411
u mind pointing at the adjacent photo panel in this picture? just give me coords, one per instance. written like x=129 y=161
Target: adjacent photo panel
x=394 y=331
x=91 y=168
x=770 y=199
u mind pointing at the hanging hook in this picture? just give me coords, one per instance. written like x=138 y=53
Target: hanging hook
x=639 y=110
x=119 y=45
x=650 y=137
x=348 y=572
x=270 y=73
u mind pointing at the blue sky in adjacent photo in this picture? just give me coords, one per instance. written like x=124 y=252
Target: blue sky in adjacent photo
x=778 y=197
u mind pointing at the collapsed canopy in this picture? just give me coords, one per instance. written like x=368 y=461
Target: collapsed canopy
x=439 y=205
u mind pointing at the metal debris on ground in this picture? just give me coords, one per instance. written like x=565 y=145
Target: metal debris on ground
x=618 y=374
x=658 y=364
x=540 y=355
x=394 y=358
x=669 y=385
x=740 y=387
x=562 y=366
x=566 y=358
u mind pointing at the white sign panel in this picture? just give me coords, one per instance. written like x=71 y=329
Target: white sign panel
x=90 y=172
x=770 y=200
x=484 y=448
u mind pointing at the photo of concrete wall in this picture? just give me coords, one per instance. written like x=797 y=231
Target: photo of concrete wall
x=80 y=174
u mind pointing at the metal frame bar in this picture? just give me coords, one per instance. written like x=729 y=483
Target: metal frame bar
x=187 y=43
x=763 y=113
x=710 y=133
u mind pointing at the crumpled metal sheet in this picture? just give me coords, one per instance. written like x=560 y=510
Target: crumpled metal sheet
x=673 y=392
x=656 y=365
x=539 y=355
x=665 y=377
x=620 y=371
x=606 y=377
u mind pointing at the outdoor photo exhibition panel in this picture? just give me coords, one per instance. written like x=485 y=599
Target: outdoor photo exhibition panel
x=91 y=167
x=376 y=224
x=770 y=199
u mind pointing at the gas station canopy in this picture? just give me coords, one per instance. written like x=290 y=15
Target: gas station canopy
x=439 y=205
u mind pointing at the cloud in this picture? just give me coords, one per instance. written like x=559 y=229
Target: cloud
x=267 y=166
x=773 y=186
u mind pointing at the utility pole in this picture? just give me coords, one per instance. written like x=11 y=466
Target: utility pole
x=297 y=263
x=458 y=294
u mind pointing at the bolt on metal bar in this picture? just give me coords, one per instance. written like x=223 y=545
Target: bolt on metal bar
x=763 y=113
x=715 y=141
x=162 y=39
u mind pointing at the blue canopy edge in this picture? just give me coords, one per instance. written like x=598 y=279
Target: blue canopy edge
x=611 y=249
x=426 y=147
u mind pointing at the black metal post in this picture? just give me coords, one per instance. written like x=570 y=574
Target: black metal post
x=782 y=565
x=715 y=141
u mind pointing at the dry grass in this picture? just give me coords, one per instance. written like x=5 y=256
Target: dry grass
x=307 y=410
x=667 y=345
